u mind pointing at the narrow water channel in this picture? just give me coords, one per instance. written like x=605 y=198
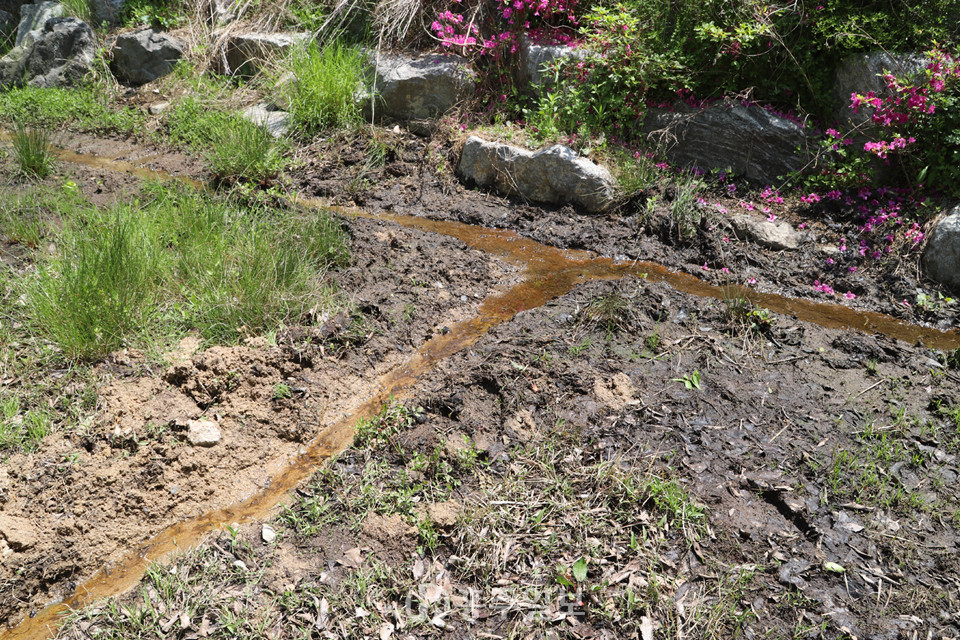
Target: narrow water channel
x=548 y=273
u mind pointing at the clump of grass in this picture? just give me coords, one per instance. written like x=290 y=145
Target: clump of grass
x=243 y=151
x=83 y=108
x=324 y=92
x=32 y=151
x=102 y=287
x=683 y=208
x=21 y=429
x=610 y=311
x=81 y=9
x=181 y=260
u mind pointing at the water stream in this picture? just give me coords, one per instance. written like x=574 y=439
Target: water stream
x=548 y=273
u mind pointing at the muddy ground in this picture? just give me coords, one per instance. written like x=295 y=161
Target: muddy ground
x=818 y=467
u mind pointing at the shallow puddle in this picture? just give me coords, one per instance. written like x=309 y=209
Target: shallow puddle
x=548 y=273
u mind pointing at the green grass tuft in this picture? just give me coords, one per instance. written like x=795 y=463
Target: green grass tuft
x=324 y=93
x=32 y=151
x=243 y=151
x=179 y=261
x=83 y=108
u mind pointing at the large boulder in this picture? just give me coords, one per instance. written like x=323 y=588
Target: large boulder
x=751 y=141
x=862 y=73
x=33 y=17
x=941 y=258
x=418 y=88
x=556 y=174
x=247 y=53
x=60 y=54
x=145 y=55
x=537 y=60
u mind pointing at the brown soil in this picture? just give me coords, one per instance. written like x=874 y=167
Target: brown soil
x=758 y=442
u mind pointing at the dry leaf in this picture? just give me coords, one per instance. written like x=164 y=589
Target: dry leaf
x=432 y=593
x=352 y=558
x=184 y=620
x=386 y=631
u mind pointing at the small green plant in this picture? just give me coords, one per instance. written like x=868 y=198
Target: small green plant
x=32 y=149
x=690 y=381
x=282 y=391
x=241 y=150
x=160 y=14
x=684 y=213
x=324 y=94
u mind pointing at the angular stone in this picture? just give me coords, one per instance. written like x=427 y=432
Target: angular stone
x=779 y=236
x=861 y=73
x=751 y=141
x=537 y=60
x=58 y=55
x=19 y=533
x=33 y=17
x=247 y=53
x=203 y=433
x=941 y=258
x=145 y=55
x=557 y=174
x=417 y=88
x=277 y=123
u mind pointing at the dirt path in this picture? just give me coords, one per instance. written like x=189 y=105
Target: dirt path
x=757 y=438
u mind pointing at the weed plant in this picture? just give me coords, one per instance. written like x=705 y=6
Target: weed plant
x=324 y=93
x=32 y=151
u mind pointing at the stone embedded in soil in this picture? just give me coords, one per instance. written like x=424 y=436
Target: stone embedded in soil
x=145 y=55
x=19 y=533
x=556 y=175
x=203 y=433
x=751 y=141
x=941 y=258
x=276 y=123
x=416 y=88
x=267 y=534
x=778 y=235
x=59 y=54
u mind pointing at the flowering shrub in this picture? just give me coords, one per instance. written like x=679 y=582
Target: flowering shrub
x=918 y=123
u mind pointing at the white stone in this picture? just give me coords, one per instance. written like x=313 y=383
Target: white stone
x=942 y=254
x=203 y=433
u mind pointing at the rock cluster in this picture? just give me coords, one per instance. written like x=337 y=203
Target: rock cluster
x=49 y=50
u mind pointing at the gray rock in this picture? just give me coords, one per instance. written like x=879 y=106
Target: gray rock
x=203 y=433
x=106 y=10
x=941 y=258
x=158 y=108
x=779 y=236
x=556 y=174
x=247 y=53
x=538 y=59
x=33 y=17
x=58 y=55
x=861 y=73
x=417 y=88
x=7 y=24
x=277 y=123
x=749 y=140
x=145 y=55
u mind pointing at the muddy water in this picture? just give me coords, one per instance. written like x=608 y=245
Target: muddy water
x=548 y=273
